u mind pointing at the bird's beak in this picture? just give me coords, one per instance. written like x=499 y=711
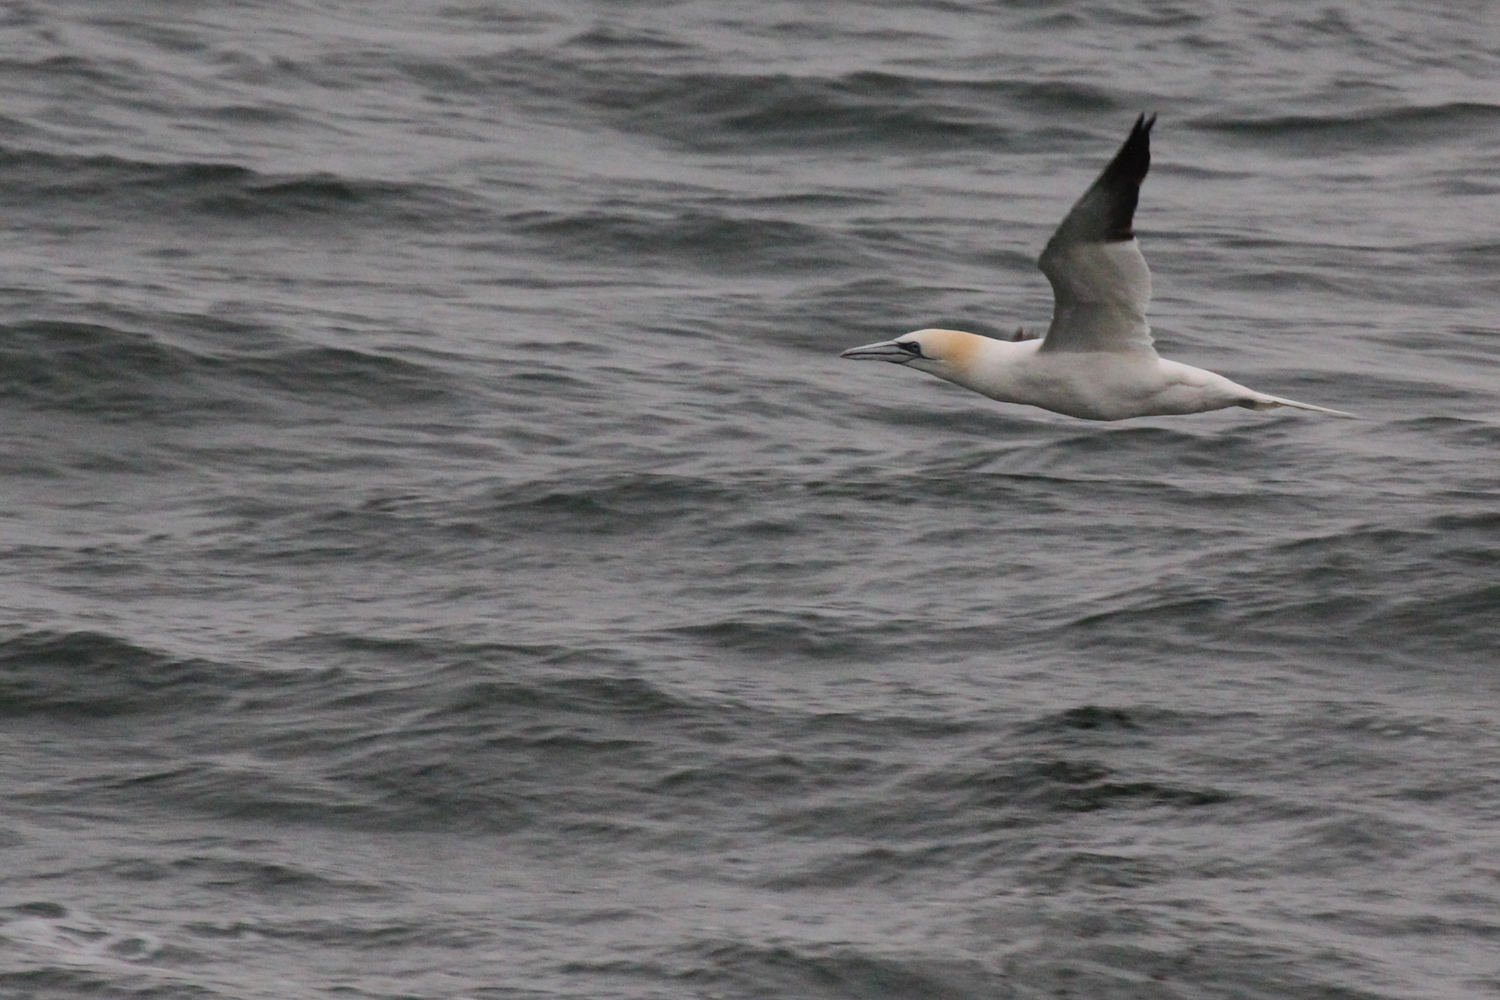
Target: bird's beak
x=886 y=350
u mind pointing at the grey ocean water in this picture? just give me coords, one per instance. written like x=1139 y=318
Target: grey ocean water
x=444 y=557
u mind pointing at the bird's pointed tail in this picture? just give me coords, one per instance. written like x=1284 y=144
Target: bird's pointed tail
x=1265 y=402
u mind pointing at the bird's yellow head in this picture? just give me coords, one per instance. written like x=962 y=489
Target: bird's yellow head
x=941 y=352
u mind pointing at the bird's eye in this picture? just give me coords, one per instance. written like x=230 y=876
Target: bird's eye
x=910 y=347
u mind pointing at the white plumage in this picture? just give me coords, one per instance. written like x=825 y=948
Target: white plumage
x=1096 y=360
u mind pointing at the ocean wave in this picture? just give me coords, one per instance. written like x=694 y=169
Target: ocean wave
x=800 y=635
x=1156 y=457
x=121 y=374
x=466 y=745
x=92 y=74
x=584 y=696
x=228 y=786
x=1120 y=953
x=1088 y=717
x=94 y=674
x=868 y=866
x=107 y=372
x=780 y=969
x=359 y=933
x=842 y=972
x=610 y=503
x=616 y=38
x=1379 y=129
x=221 y=190
x=1324 y=593
x=694 y=240
x=957 y=800
x=1056 y=785
x=864 y=108
x=256 y=877
x=400 y=652
x=341 y=375
x=1074 y=870
x=52 y=932
x=593 y=78
x=709 y=112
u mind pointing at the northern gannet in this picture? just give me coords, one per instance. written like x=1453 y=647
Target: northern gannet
x=1096 y=361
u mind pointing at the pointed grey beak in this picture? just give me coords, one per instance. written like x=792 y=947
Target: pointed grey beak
x=886 y=350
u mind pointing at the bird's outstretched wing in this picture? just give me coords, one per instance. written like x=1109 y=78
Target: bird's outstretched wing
x=1100 y=283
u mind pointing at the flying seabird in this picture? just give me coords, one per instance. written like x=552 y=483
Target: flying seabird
x=1096 y=360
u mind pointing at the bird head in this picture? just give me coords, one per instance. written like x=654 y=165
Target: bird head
x=941 y=352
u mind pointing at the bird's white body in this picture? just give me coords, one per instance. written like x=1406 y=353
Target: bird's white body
x=1093 y=385
x=1097 y=360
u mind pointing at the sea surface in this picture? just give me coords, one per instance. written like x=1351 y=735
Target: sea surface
x=442 y=554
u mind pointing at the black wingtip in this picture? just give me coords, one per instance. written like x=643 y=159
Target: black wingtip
x=1134 y=158
x=1113 y=196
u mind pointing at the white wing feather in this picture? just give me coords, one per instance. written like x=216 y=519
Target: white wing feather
x=1100 y=292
